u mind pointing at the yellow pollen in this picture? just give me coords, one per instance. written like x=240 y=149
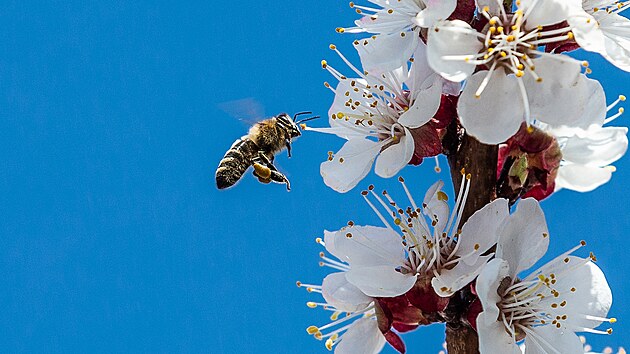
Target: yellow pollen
x=468 y=176
x=500 y=29
x=332 y=46
x=493 y=29
x=312 y=330
x=318 y=240
x=612 y=320
x=519 y=73
x=585 y=63
x=520 y=66
x=622 y=98
x=351 y=4
x=340 y=30
x=463 y=171
x=510 y=38
x=324 y=64
x=397 y=221
x=487 y=9
x=318 y=335
x=329 y=344
x=570 y=35
x=621 y=109
x=530 y=129
x=503 y=54
x=303 y=126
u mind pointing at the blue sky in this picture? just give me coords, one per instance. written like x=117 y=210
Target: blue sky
x=113 y=236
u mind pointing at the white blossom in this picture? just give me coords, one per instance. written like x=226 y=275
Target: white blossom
x=546 y=307
x=375 y=113
x=397 y=25
x=353 y=327
x=426 y=241
x=517 y=81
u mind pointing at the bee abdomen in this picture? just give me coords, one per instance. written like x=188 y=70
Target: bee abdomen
x=234 y=164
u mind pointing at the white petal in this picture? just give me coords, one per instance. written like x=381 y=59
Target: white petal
x=452 y=38
x=386 y=52
x=565 y=96
x=451 y=280
x=343 y=93
x=493 y=339
x=584 y=289
x=587 y=32
x=368 y=246
x=615 y=29
x=549 y=12
x=481 y=231
x=582 y=178
x=599 y=146
x=425 y=104
x=435 y=10
x=524 y=236
x=560 y=340
x=380 y=281
x=420 y=70
x=362 y=337
x=395 y=157
x=436 y=206
x=341 y=294
x=497 y=114
x=487 y=285
x=358 y=155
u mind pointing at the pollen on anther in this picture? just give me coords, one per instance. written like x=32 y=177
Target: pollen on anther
x=349 y=235
x=311 y=305
x=622 y=98
x=324 y=64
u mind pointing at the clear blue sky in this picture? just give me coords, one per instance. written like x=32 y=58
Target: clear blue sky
x=112 y=235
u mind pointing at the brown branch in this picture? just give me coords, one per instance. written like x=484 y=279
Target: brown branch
x=480 y=161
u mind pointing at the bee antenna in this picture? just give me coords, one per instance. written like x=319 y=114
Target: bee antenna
x=306 y=119
x=300 y=113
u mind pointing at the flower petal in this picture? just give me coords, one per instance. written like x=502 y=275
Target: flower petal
x=598 y=146
x=549 y=339
x=363 y=336
x=386 y=52
x=395 y=157
x=549 y=12
x=564 y=96
x=584 y=288
x=481 y=231
x=487 y=285
x=582 y=178
x=435 y=10
x=341 y=294
x=368 y=246
x=524 y=237
x=452 y=38
x=426 y=102
x=497 y=114
x=350 y=164
x=380 y=281
x=452 y=280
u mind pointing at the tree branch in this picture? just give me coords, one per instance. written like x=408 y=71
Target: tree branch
x=480 y=161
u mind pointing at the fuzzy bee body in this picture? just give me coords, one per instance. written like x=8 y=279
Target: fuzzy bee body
x=258 y=148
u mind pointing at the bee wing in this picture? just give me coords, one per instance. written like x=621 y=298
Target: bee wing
x=247 y=110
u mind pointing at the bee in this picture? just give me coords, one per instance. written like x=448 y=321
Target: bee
x=258 y=148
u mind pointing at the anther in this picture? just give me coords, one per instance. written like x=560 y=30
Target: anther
x=332 y=47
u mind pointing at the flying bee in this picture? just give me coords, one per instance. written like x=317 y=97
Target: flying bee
x=258 y=148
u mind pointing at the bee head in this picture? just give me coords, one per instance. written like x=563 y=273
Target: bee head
x=296 y=123
x=290 y=126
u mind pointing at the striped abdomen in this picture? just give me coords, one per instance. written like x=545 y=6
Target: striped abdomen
x=235 y=162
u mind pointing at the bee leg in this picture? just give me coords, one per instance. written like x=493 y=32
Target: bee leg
x=287 y=142
x=267 y=172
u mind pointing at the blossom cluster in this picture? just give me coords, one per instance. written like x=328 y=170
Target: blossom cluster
x=516 y=77
x=420 y=264
x=431 y=73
